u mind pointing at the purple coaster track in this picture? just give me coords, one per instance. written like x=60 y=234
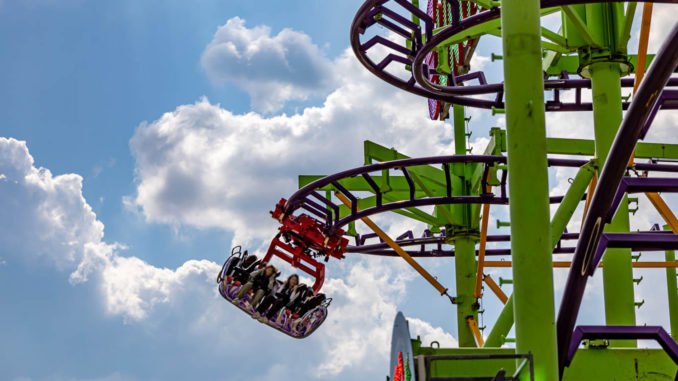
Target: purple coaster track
x=415 y=57
x=310 y=199
x=610 y=180
x=407 y=240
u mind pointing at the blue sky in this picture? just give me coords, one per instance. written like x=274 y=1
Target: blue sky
x=138 y=140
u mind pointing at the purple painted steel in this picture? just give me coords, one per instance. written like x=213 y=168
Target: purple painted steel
x=653 y=166
x=330 y=211
x=622 y=332
x=419 y=82
x=638 y=185
x=634 y=241
x=300 y=199
x=667 y=97
x=611 y=175
x=435 y=253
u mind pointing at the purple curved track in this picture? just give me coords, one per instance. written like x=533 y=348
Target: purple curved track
x=419 y=82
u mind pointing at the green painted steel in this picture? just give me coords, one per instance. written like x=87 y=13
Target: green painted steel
x=459 y=130
x=620 y=364
x=672 y=289
x=618 y=279
x=617 y=270
x=570 y=202
x=465 y=277
x=586 y=147
x=502 y=326
x=528 y=186
x=599 y=364
x=559 y=222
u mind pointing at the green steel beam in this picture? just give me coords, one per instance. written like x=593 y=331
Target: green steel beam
x=368 y=202
x=570 y=64
x=534 y=310
x=549 y=46
x=570 y=202
x=397 y=184
x=502 y=326
x=625 y=30
x=579 y=23
x=623 y=364
x=484 y=28
x=617 y=270
x=459 y=119
x=559 y=222
x=599 y=364
x=672 y=289
x=554 y=37
x=586 y=147
x=465 y=278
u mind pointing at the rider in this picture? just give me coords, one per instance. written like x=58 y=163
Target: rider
x=284 y=294
x=261 y=281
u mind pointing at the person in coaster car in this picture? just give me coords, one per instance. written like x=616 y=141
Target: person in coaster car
x=276 y=300
x=261 y=281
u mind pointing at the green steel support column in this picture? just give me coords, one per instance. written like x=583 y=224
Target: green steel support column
x=672 y=291
x=558 y=224
x=465 y=271
x=464 y=245
x=617 y=270
x=459 y=130
x=528 y=186
x=459 y=212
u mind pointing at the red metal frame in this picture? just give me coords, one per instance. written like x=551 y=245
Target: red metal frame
x=303 y=239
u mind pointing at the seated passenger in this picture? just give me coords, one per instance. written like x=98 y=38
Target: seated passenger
x=261 y=281
x=310 y=303
x=303 y=292
x=275 y=301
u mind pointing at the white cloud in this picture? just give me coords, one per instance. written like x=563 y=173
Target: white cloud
x=184 y=301
x=663 y=21
x=272 y=69
x=203 y=166
x=47 y=219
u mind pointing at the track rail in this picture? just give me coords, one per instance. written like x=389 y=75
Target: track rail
x=630 y=131
x=422 y=42
x=311 y=200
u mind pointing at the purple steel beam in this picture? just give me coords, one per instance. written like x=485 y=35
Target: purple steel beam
x=668 y=97
x=656 y=167
x=634 y=241
x=435 y=253
x=664 y=64
x=365 y=17
x=623 y=332
x=302 y=198
x=638 y=185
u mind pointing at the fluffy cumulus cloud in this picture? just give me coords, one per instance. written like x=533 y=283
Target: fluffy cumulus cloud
x=46 y=219
x=272 y=69
x=50 y=212
x=205 y=166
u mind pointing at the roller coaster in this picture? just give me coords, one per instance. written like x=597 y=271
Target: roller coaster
x=584 y=66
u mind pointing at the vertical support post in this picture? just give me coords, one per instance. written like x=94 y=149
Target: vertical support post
x=464 y=244
x=558 y=224
x=528 y=186
x=617 y=270
x=671 y=285
x=459 y=118
x=465 y=272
